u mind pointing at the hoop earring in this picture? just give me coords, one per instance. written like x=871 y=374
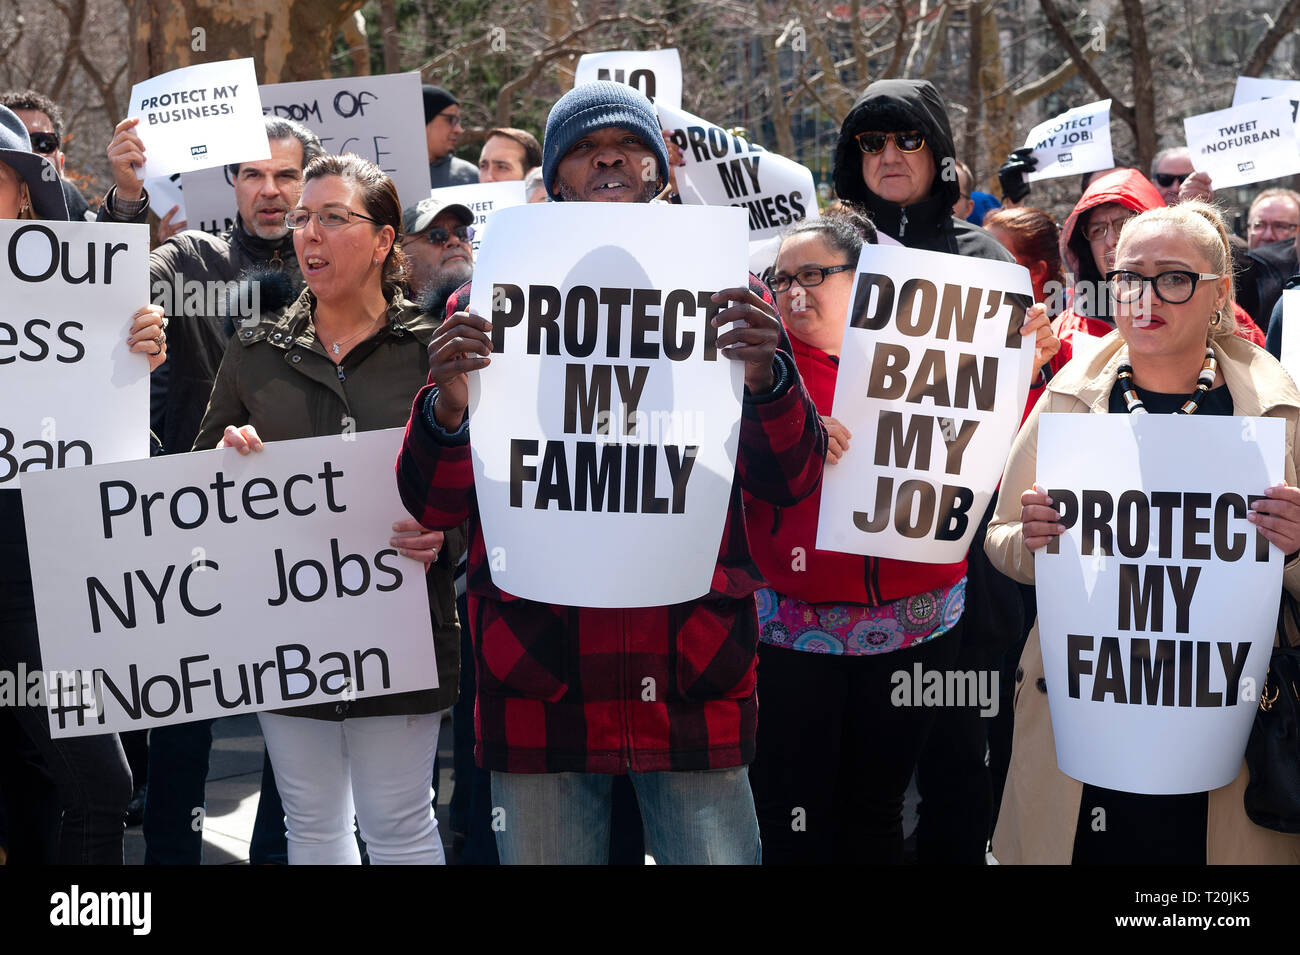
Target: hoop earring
x=1218 y=317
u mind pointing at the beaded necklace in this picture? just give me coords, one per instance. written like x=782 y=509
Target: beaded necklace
x=1204 y=382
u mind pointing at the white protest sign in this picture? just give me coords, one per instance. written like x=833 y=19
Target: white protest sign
x=656 y=73
x=379 y=118
x=932 y=385
x=198 y=117
x=726 y=170
x=1244 y=144
x=1157 y=606
x=605 y=429
x=483 y=199
x=71 y=390
x=1075 y=142
x=1251 y=88
x=165 y=192
x=214 y=583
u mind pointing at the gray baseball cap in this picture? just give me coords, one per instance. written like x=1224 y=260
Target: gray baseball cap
x=417 y=218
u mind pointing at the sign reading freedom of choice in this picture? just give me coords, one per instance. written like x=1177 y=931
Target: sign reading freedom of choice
x=604 y=431
x=1243 y=144
x=932 y=385
x=1075 y=142
x=1157 y=606
x=656 y=73
x=199 y=116
x=213 y=583
x=71 y=391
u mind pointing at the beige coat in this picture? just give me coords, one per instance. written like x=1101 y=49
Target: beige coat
x=1040 y=804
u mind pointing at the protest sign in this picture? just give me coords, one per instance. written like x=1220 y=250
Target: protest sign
x=656 y=73
x=1157 y=606
x=726 y=170
x=605 y=429
x=1075 y=142
x=1290 y=356
x=379 y=118
x=1251 y=88
x=198 y=117
x=1244 y=144
x=165 y=192
x=215 y=583
x=71 y=391
x=483 y=199
x=932 y=384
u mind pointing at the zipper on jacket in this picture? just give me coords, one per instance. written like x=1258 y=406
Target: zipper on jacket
x=275 y=262
x=902 y=220
x=339 y=368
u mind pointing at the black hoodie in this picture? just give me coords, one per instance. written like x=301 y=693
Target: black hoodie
x=894 y=106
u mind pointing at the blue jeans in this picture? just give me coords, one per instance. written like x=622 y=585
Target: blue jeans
x=690 y=818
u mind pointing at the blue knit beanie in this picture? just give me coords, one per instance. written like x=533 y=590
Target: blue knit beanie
x=592 y=106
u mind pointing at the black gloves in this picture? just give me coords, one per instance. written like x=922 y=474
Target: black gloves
x=1011 y=174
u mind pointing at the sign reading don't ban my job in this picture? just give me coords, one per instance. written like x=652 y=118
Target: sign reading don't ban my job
x=71 y=391
x=604 y=431
x=1157 y=606
x=932 y=384
x=206 y=584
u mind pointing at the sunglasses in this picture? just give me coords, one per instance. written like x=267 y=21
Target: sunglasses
x=1167 y=179
x=874 y=142
x=44 y=143
x=440 y=236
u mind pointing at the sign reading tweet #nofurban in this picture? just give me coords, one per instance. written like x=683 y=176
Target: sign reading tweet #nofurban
x=1158 y=605
x=604 y=431
x=656 y=73
x=932 y=385
x=212 y=583
x=71 y=390
x=199 y=116
x=1253 y=142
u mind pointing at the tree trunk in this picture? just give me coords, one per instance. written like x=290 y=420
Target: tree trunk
x=388 y=30
x=1144 y=90
x=780 y=114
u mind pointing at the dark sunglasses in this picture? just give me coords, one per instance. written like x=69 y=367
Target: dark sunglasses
x=1167 y=179
x=873 y=142
x=44 y=143
x=440 y=236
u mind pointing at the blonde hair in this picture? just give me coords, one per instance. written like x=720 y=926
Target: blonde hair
x=1201 y=224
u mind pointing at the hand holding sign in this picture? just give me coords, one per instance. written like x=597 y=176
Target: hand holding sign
x=752 y=339
x=148 y=336
x=1197 y=186
x=461 y=345
x=1278 y=517
x=1040 y=521
x=1046 y=344
x=125 y=155
x=837 y=439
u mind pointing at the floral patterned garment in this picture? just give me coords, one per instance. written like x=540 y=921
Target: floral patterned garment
x=855 y=629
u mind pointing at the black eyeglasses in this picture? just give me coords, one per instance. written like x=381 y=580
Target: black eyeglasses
x=1174 y=287
x=1167 y=179
x=874 y=142
x=808 y=278
x=44 y=143
x=330 y=218
x=440 y=236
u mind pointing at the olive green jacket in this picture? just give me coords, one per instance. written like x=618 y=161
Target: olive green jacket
x=277 y=377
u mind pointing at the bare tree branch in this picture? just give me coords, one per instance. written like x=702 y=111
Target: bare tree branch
x=1283 y=23
x=1066 y=39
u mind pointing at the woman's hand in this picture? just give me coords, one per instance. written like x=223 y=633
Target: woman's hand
x=1046 y=344
x=148 y=336
x=1039 y=520
x=243 y=439
x=416 y=542
x=1278 y=517
x=460 y=345
x=837 y=439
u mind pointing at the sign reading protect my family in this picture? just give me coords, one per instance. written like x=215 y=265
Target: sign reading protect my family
x=71 y=391
x=723 y=169
x=379 y=118
x=198 y=117
x=1243 y=144
x=1157 y=606
x=1075 y=142
x=932 y=385
x=604 y=431
x=656 y=73
x=213 y=583
x=483 y=199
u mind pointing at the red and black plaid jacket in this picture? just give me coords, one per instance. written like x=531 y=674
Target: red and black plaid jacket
x=562 y=689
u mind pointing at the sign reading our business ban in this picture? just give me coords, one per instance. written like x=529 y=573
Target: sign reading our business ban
x=71 y=390
x=656 y=73
x=1075 y=142
x=1157 y=606
x=198 y=117
x=483 y=199
x=206 y=584
x=604 y=431
x=1249 y=143
x=932 y=385
x=379 y=118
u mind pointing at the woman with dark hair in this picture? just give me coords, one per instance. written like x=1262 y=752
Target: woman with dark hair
x=354 y=350
x=1032 y=237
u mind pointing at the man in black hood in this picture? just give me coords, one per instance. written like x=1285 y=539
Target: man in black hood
x=908 y=183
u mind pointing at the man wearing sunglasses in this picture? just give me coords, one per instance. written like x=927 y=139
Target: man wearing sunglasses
x=44 y=122
x=1176 y=180
x=439 y=259
x=442 y=132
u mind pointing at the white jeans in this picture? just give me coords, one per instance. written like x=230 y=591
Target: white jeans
x=381 y=765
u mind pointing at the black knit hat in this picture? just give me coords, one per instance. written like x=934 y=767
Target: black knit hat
x=436 y=99
x=592 y=106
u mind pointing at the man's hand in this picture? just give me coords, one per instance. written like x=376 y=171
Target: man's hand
x=1046 y=344
x=753 y=337
x=125 y=153
x=167 y=228
x=1196 y=186
x=1011 y=175
x=243 y=439
x=460 y=345
x=837 y=439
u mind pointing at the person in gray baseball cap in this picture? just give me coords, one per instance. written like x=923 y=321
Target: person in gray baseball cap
x=29 y=183
x=436 y=238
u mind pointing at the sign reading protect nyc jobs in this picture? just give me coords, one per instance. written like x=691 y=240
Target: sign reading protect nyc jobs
x=212 y=583
x=1157 y=606
x=71 y=391
x=604 y=430
x=933 y=380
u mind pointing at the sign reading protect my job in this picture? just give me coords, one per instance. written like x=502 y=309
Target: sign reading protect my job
x=932 y=385
x=199 y=585
x=604 y=431
x=1157 y=606
x=71 y=391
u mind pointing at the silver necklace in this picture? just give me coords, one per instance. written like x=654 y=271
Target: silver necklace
x=343 y=341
